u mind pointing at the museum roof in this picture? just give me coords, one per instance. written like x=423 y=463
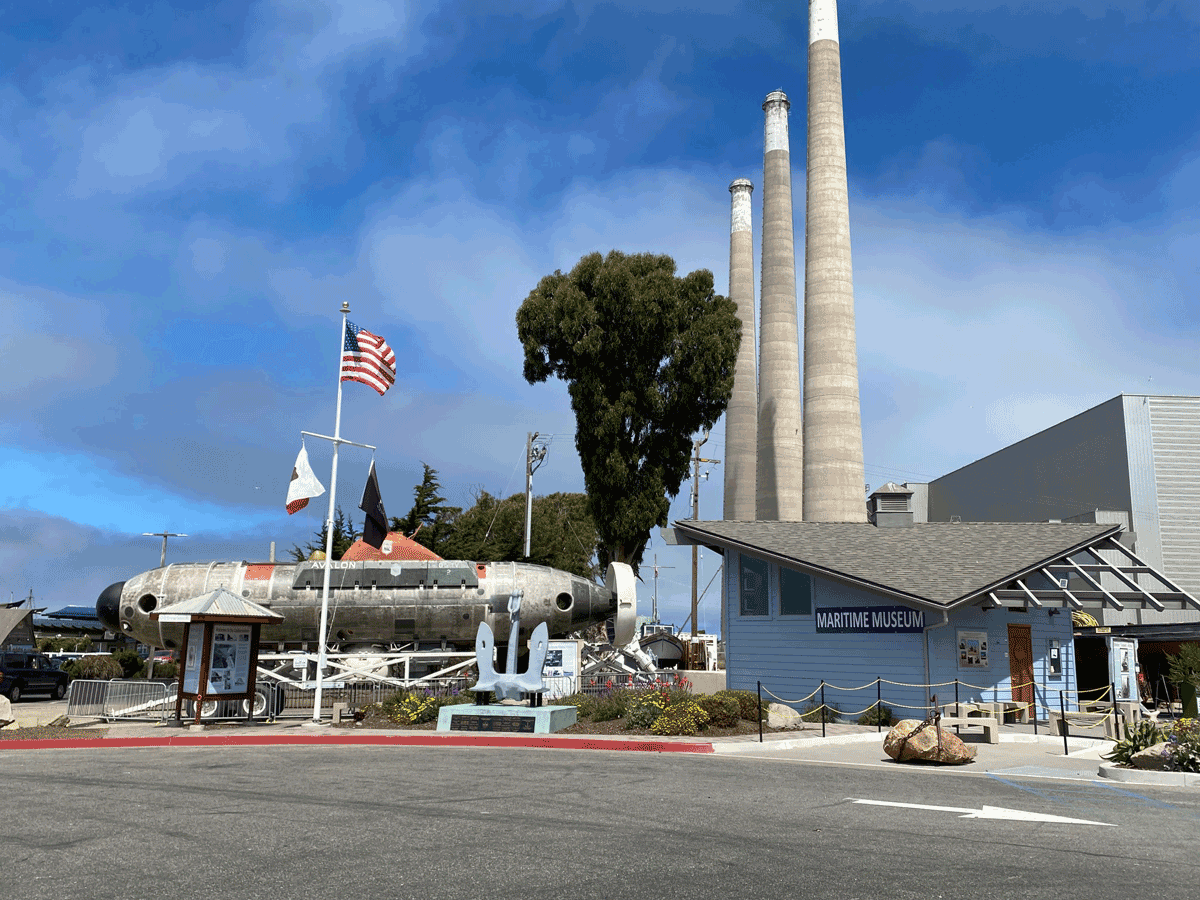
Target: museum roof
x=940 y=563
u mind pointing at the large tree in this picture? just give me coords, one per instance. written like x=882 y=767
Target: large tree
x=562 y=534
x=429 y=521
x=648 y=359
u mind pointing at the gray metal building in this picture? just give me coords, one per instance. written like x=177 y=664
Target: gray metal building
x=1134 y=457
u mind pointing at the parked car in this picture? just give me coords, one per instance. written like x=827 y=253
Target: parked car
x=26 y=672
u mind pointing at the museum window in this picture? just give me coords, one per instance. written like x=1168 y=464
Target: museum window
x=752 y=587
x=795 y=593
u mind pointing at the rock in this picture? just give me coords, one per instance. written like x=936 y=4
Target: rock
x=780 y=716
x=1153 y=757
x=914 y=741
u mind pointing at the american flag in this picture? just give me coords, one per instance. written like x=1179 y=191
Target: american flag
x=368 y=358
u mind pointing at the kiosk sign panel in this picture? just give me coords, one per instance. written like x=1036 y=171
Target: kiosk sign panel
x=191 y=660
x=229 y=664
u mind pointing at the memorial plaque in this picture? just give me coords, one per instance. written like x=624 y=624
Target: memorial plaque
x=492 y=723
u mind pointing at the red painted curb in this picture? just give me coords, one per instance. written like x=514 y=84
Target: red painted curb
x=401 y=740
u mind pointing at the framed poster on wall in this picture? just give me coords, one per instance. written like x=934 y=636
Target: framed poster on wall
x=972 y=650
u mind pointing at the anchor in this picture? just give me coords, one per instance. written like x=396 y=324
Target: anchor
x=509 y=685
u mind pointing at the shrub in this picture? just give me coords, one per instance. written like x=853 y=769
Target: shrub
x=63 y=644
x=166 y=670
x=98 y=668
x=416 y=709
x=612 y=705
x=132 y=665
x=876 y=715
x=747 y=702
x=585 y=706
x=418 y=706
x=814 y=712
x=682 y=718
x=645 y=708
x=1138 y=736
x=1184 y=745
x=723 y=712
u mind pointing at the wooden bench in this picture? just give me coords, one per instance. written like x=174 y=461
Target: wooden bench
x=991 y=728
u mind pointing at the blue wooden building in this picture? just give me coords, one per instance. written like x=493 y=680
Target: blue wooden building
x=920 y=605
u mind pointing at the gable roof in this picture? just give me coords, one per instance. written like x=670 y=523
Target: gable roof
x=939 y=564
x=400 y=548
x=220 y=602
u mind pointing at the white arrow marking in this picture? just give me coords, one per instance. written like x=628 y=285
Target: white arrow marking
x=987 y=812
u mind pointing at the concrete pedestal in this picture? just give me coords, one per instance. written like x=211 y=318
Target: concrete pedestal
x=508 y=719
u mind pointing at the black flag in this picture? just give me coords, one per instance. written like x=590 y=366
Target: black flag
x=376 y=525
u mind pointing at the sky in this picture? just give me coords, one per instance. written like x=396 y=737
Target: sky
x=190 y=192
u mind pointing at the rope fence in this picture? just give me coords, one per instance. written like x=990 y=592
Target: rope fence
x=1097 y=707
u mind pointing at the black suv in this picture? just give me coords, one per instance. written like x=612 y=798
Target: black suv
x=26 y=672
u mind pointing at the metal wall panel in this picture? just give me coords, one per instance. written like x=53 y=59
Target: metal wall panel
x=1174 y=432
x=1067 y=469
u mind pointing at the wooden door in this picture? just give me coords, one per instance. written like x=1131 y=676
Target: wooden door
x=1020 y=664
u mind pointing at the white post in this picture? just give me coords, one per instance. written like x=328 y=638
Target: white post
x=337 y=433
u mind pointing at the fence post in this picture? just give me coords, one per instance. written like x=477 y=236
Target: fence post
x=822 y=707
x=1033 y=709
x=879 y=705
x=1066 y=729
x=760 y=740
x=1112 y=692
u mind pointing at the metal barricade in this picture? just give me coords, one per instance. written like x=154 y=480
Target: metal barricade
x=85 y=699
x=138 y=700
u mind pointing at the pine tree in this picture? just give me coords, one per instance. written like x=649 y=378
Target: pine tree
x=430 y=521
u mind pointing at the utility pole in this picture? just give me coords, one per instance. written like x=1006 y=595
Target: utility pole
x=654 y=602
x=696 y=460
x=535 y=454
x=162 y=559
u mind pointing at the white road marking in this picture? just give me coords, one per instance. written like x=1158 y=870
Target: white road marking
x=987 y=812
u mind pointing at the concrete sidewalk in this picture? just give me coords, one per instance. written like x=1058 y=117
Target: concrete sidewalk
x=1020 y=752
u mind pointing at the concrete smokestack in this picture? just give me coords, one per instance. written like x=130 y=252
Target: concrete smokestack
x=780 y=469
x=741 y=418
x=833 y=458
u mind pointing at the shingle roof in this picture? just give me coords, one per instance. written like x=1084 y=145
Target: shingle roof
x=938 y=562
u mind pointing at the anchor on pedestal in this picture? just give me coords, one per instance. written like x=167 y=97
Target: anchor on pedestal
x=509 y=684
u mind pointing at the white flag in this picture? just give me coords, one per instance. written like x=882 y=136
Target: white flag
x=304 y=485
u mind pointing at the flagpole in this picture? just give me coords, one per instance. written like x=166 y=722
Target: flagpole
x=337 y=438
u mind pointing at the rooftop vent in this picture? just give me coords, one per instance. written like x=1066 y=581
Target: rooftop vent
x=890 y=507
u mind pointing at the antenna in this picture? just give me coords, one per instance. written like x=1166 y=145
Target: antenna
x=162 y=559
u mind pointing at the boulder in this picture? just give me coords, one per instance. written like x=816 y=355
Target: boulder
x=1155 y=756
x=914 y=741
x=780 y=716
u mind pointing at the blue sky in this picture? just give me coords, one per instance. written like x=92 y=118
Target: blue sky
x=190 y=194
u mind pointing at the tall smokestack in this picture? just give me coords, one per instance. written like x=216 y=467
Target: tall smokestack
x=741 y=417
x=780 y=468
x=833 y=459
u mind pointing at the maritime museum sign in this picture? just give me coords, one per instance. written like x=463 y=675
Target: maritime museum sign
x=869 y=620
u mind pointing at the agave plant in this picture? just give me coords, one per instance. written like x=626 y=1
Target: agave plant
x=1138 y=736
